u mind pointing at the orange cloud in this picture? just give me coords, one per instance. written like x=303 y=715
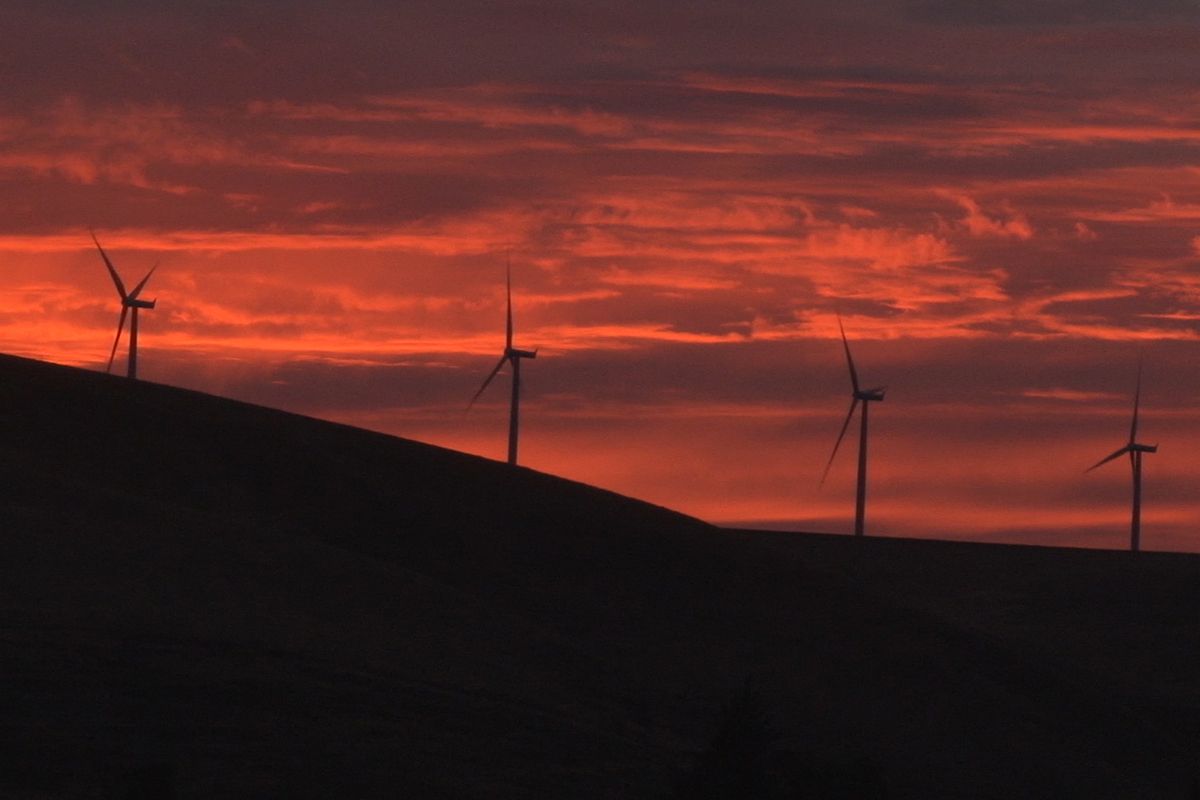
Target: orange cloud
x=1161 y=211
x=980 y=224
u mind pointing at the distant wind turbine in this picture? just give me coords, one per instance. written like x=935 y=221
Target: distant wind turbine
x=867 y=396
x=1135 y=450
x=129 y=300
x=514 y=356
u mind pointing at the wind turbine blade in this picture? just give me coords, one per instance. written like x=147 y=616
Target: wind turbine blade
x=849 y=358
x=508 y=330
x=491 y=375
x=1137 y=396
x=838 y=443
x=133 y=295
x=111 y=269
x=1109 y=458
x=117 y=341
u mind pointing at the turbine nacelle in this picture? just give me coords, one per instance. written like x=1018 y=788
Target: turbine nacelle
x=1142 y=448
x=870 y=394
x=512 y=352
x=133 y=302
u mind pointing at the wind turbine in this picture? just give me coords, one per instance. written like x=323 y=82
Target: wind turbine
x=129 y=300
x=866 y=396
x=514 y=356
x=1135 y=450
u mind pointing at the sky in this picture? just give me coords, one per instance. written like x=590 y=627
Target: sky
x=1000 y=199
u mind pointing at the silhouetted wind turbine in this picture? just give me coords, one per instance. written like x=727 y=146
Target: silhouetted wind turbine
x=1135 y=450
x=867 y=396
x=514 y=356
x=129 y=300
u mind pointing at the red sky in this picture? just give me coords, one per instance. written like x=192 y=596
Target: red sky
x=1003 y=203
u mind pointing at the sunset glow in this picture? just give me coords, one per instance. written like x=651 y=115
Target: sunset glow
x=1003 y=206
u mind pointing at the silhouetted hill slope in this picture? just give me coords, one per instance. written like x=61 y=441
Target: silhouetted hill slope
x=231 y=601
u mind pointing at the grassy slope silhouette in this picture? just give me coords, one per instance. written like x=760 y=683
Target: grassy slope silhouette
x=234 y=601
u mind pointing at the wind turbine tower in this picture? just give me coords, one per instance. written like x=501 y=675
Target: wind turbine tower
x=866 y=397
x=1135 y=450
x=129 y=300
x=511 y=355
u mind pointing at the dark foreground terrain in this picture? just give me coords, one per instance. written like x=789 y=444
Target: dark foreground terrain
x=200 y=599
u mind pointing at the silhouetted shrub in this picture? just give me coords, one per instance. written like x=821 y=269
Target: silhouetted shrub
x=744 y=761
x=809 y=778
x=148 y=782
x=737 y=762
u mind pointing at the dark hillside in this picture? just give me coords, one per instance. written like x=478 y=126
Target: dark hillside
x=211 y=599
